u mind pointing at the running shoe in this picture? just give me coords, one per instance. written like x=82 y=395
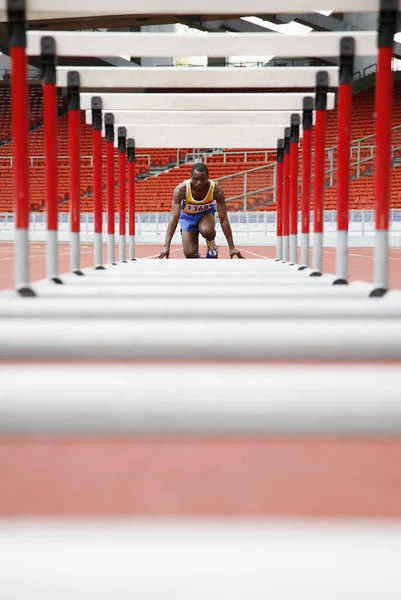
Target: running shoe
x=212 y=250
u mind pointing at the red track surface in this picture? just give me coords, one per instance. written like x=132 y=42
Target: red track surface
x=360 y=260
x=119 y=476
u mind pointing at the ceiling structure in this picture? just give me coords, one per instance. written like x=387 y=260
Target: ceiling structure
x=213 y=23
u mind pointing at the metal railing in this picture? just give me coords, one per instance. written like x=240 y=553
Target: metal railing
x=244 y=181
x=86 y=158
x=362 y=222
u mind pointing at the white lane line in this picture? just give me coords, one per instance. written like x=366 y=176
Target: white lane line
x=43 y=256
x=370 y=256
x=156 y=255
x=253 y=253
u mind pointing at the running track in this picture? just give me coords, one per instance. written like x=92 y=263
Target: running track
x=199 y=477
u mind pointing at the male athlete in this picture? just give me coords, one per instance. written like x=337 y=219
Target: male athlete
x=194 y=206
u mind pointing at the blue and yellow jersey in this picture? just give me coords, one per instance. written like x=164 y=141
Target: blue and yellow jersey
x=192 y=207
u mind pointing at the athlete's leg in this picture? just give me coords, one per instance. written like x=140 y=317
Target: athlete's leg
x=208 y=231
x=207 y=226
x=190 y=244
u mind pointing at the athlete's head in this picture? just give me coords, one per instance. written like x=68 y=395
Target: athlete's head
x=199 y=176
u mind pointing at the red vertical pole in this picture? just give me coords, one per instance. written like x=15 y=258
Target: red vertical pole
x=279 y=198
x=383 y=162
x=97 y=181
x=347 y=51
x=322 y=79
x=48 y=57
x=286 y=195
x=109 y=125
x=294 y=142
x=74 y=117
x=131 y=197
x=307 y=123
x=19 y=109
x=122 y=149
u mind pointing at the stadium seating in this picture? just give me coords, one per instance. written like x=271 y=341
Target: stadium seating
x=158 y=173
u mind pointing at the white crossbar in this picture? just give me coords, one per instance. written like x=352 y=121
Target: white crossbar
x=198 y=136
x=354 y=290
x=223 y=308
x=248 y=400
x=319 y=44
x=233 y=118
x=199 y=77
x=48 y=9
x=198 y=101
x=194 y=339
x=227 y=559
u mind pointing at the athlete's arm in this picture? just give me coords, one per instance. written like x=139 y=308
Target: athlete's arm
x=178 y=197
x=220 y=199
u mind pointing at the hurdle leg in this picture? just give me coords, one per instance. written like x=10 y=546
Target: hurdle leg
x=131 y=197
x=384 y=109
x=307 y=122
x=97 y=181
x=75 y=183
x=347 y=51
x=294 y=141
x=19 y=103
x=286 y=195
x=48 y=59
x=320 y=138
x=109 y=126
x=122 y=148
x=279 y=199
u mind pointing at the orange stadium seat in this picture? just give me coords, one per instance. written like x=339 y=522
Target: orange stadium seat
x=154 y=191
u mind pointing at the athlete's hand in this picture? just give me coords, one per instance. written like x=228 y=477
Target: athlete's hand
x=165 y=253
x=235 y=252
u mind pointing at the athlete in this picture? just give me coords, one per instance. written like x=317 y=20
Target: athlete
x=194 y=206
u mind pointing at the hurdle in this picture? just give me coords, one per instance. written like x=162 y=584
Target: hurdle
x=196 y=101
x=364 y=44
x=148 y=316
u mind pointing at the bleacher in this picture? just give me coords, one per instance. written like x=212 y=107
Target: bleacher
x=154 y=191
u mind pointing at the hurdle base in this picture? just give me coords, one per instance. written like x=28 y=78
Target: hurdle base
x=340 y=281
x=100 y=268
x=78 y=272
x=315 y=274
x=56 y=280
x=378 y=293
x=26 y=292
